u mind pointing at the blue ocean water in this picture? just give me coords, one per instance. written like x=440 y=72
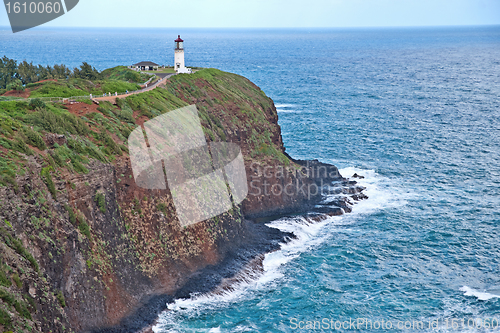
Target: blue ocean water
x=416 y=111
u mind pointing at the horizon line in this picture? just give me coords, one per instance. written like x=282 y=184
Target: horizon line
x=276 y=28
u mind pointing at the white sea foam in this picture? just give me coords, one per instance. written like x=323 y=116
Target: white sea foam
x=381 y=192
x=481 y=295
x=285 y=108
x=271 y=267
x=281 y=106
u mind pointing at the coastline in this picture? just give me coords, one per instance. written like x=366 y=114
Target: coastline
x=258 y=240
x=241 y=259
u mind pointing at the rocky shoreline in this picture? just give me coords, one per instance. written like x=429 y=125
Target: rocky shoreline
x=257 y=240
x=91 y=250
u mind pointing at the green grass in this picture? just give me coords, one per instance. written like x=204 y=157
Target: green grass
x=56 y=89
x=79 y=87
x=123 y=73
x=62 y=123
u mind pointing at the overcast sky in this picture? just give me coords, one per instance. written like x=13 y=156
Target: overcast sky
x=277 y=13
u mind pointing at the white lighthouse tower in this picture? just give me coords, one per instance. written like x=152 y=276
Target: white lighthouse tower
x=179 y=57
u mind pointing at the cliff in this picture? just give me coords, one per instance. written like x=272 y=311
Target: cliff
x=82 y=247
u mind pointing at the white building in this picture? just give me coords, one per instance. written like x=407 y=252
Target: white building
x=145 y=66
x=179 y=57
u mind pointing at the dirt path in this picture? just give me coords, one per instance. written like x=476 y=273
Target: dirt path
x=112 y=98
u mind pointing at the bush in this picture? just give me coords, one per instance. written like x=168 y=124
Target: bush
x=4 y=279
x=22 y=309
x=58 y=123
x=60 y=298
x=100 y=199
x=5 y=319
x=47 y=179
x=83 y=226
x=34 y=138
x=17 y=280
x=16 y=85
x=8 y=173
x=72 y=216
x=17 y=245
x=36 y=103
x=19 y=145
x=31 y=302
x=162 y=208
x=7 y=297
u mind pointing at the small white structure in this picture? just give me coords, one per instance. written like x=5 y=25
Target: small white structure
x=179 y=66
x=145 y=66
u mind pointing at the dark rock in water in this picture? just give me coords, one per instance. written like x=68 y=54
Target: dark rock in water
x=358 y=176
x=330 y=211
x=359 y=196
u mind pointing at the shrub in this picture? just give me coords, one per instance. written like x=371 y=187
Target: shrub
x=7 y=297
x=5 y=319
x=17 y=280
x=162 y=208
x=22 y=309
x=16 y=85
x=34 y=138
x=19 y=145
x=47 y=179
x=100 y=199
x=79 y=167
x=60 y=298
x=8 y=173
x=72 y=216
x=31 y=302
x=110 y=143
x=83 y=226
x=17 y=245
x=36 y=103
x=58 y=123
x=4 y=279
x=76 y=146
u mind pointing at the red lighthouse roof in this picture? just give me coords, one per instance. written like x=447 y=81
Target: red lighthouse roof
x=178 y=39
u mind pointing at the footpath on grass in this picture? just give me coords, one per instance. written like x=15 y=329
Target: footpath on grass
x=112 y=98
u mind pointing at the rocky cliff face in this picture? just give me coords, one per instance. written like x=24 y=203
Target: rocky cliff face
x=83 y=247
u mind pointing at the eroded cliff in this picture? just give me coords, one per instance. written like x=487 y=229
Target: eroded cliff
x=83 y=247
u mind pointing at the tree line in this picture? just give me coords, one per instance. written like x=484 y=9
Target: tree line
x=16 y=75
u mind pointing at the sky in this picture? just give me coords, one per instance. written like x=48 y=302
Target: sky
x=276 y=13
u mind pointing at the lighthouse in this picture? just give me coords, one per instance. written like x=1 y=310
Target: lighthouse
x=179 y=57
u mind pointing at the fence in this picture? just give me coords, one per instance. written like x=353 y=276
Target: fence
x=89 y=97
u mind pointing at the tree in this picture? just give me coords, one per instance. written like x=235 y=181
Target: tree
x=16 y=85
x=87 y=72
x=27 y=72
x=8 y=69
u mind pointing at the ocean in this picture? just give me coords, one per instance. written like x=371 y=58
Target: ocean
x=416 y=111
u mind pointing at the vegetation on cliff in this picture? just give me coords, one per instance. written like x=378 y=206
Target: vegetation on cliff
x=77 y=230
